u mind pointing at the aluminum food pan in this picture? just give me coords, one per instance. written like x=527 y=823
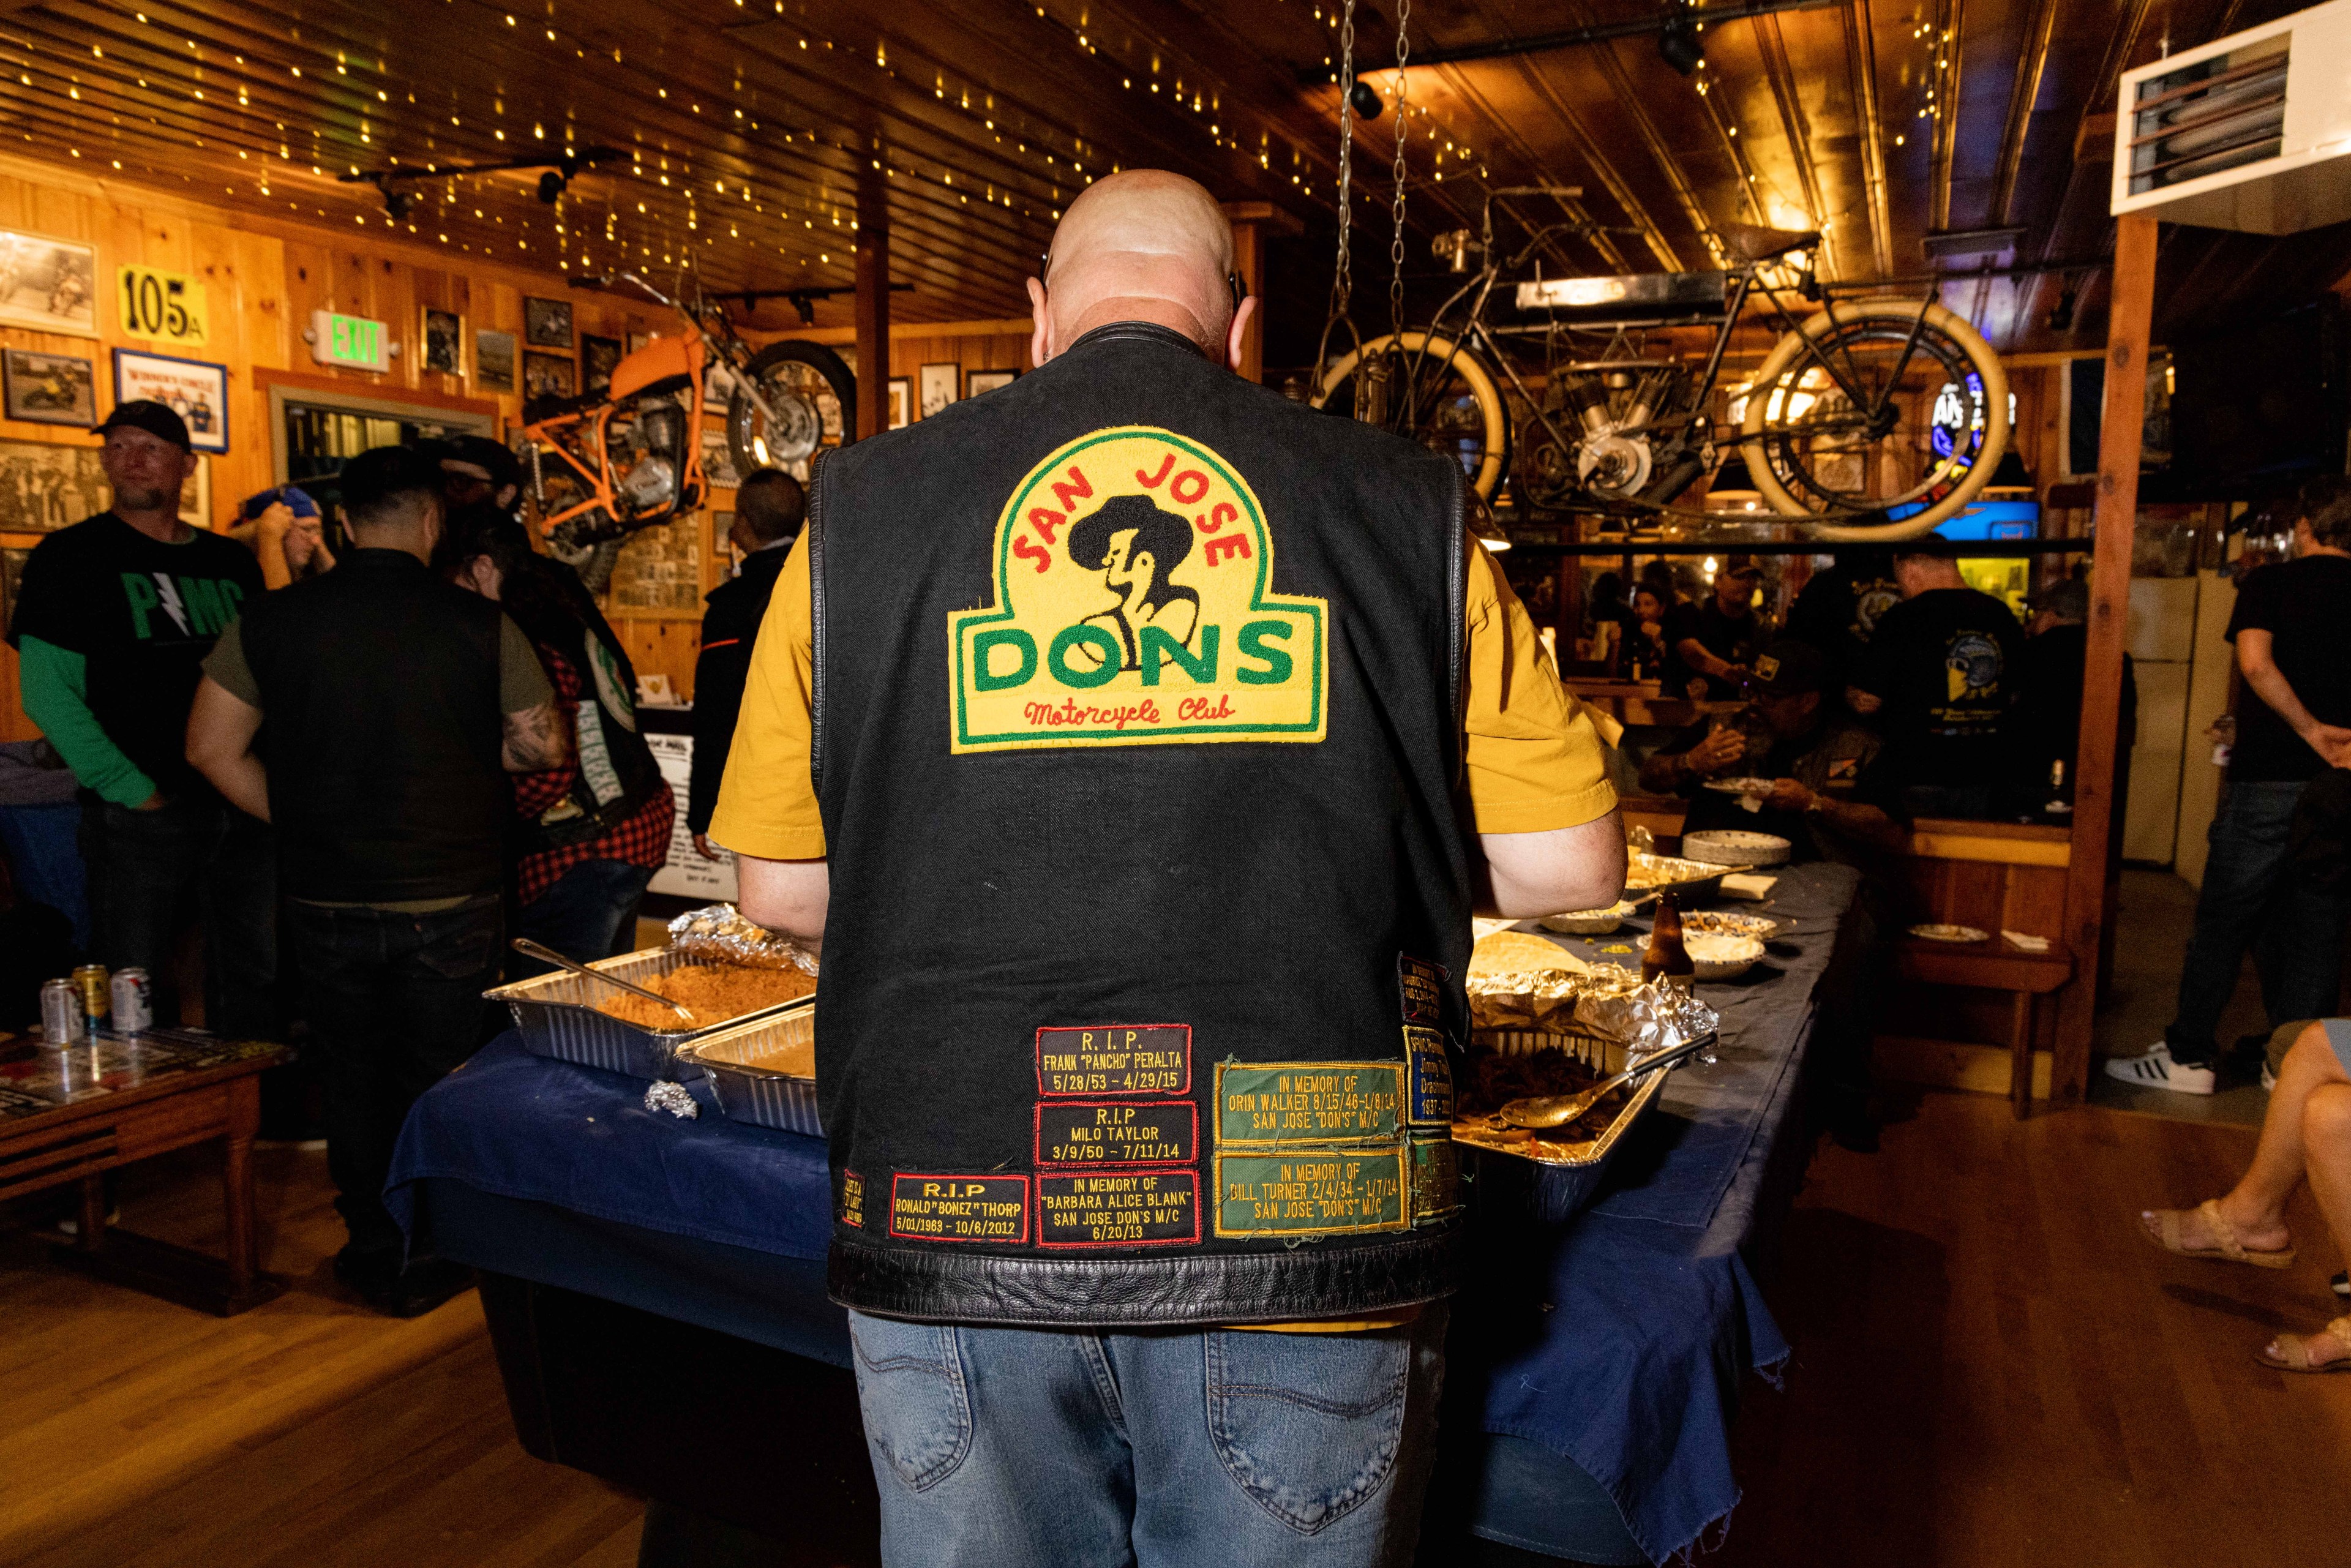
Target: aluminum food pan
x=557 y=1018
x=744 y=1064
x=1553 y=1187
x=1671 y=873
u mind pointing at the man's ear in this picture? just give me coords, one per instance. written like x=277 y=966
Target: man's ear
x=1040 y=347
x=1242 y=316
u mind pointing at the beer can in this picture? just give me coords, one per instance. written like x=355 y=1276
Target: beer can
x=90 y=981
x=134 y=1000
x=61 y=1020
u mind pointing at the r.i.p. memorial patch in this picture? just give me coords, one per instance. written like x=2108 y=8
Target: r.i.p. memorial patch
x=1133 y=606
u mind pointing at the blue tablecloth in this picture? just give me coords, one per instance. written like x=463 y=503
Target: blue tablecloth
x=1617 y=1344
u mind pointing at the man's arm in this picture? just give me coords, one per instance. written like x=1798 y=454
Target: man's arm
x=789 y=896
x=1668 y=772
x=1518 y=874
x=54 y=685
x=1702 y=659
x=1863 y=820
x=221 y=727
x=2256 y=659
x=535 y=739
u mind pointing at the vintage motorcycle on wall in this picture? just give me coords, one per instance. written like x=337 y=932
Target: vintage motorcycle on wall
x=629 y=456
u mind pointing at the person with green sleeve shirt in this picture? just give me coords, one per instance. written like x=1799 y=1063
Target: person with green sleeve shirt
x=111 y=626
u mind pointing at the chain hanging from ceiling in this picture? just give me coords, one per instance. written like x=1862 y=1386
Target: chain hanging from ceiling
x=1343 y=280
x=1402 y=133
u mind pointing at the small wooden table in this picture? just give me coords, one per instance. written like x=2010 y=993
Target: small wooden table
x=1994 y=965
x=72 y=1115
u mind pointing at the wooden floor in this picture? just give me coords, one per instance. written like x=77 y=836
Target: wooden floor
x=1989 y=1369
x=1992 y=1368
x=308 y=1431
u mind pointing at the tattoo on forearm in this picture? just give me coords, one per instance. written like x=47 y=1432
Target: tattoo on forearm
x=535 y=739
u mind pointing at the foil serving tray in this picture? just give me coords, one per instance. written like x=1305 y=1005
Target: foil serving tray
x=557 y=1014
x=750 y=1068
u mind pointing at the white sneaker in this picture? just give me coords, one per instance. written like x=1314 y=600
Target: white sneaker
x=2156 y=1070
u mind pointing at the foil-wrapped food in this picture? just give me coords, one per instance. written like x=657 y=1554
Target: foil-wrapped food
x=719 y=933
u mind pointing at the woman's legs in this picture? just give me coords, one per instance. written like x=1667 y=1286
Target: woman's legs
x=2326 y=1143
x=2255 y=1207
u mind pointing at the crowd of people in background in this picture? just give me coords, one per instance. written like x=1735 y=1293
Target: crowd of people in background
x=356 y=767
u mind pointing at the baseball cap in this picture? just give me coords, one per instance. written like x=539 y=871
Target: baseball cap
x=2068 y=599
x=1742 y=566
x=296 y=499
x=1789 y=668
x=156 y=419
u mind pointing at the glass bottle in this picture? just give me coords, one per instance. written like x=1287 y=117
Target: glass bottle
x=1667 y=959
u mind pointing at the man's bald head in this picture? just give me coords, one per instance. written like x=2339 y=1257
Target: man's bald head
x=1140 y=245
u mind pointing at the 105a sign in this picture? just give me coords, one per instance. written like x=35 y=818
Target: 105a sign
x=166 y=304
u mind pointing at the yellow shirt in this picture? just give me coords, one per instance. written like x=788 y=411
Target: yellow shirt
x=1531 y=756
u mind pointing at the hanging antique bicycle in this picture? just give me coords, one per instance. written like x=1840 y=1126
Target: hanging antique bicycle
x=1870 y=418
x=629 y=456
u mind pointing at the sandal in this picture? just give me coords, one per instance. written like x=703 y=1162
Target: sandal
x=2293 y=1350
x=2167 y=1224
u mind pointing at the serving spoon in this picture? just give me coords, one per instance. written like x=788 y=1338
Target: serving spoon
x=1559 y=1109
x=547 y=954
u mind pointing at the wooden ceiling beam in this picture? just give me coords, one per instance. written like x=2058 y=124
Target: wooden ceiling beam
x=1796 y=129
x=2024 y=92
x=1861 y=79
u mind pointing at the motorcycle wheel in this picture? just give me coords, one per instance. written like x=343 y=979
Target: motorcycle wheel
x=1457 y=403
x=814 y=399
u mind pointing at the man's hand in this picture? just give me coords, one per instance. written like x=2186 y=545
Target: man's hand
x=1787 y=795
x=1861 y=701
x=1715 y=753
x=153 y=803
x=706 y=849
x=535 y=739
x=2332 y=742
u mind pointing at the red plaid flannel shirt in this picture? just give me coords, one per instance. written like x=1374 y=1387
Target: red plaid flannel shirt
x=642 y=840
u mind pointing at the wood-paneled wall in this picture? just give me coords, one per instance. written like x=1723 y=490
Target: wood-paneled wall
x=265 y=274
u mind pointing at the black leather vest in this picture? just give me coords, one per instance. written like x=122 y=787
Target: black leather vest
x=1136 y=738
x=381 y=732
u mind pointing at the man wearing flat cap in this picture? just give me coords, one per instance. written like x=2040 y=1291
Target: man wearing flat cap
x=111 y=629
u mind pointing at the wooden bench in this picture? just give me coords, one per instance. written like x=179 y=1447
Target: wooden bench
x=1994 y=965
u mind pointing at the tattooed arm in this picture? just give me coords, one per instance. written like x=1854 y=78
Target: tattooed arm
x=535 y=739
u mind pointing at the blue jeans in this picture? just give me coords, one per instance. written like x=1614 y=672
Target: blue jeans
x=2249 y=900
x=1000 y=1447
x=590 y=913
x=395 y=1004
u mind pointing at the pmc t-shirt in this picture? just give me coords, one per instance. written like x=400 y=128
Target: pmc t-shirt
x=142 y=614
x=2306 y=607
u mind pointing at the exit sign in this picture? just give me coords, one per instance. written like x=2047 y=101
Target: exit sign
x=354 y=343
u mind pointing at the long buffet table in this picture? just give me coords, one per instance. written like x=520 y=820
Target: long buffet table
x=655 y=1290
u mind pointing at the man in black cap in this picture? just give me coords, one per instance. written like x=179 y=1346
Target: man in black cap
x=1829 y=797
x=1716 y=639
x=1940 y=676
x=111 y=629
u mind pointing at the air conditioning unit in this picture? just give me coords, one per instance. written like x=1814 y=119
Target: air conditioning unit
x=2250 y=133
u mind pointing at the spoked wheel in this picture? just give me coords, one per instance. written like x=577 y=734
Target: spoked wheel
x=813 y=399
x=1439 y=394
x=1867 y=410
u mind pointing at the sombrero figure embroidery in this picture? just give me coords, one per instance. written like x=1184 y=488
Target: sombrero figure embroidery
x=1133 y=606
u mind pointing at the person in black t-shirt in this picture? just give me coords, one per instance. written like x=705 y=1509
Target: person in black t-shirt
x=1716 y=639
x=2044 y=728
x=1838 y=609
x=111 y=629
x=768 y=512
x=2291 y=627
x=1939 y=677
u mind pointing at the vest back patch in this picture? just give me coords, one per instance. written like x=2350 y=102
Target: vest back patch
x=1133 y=606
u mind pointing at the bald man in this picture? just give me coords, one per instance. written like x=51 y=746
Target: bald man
x=1136 y=743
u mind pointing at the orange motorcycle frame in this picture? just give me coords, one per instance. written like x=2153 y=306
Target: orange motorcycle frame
x=577 y=437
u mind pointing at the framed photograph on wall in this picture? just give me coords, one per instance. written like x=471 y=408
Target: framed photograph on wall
x=197 y=390
x=938 y=387
x=718 y=461
x=598 y=359
x=494 y=361
x=547 y=323
x=196 y=496
x=49 y=388
x=45 y=487
x=444 y=333
x=47 y=285
x=548 y=375
x=902 y=402
x=980 y=382
x=639 y=339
